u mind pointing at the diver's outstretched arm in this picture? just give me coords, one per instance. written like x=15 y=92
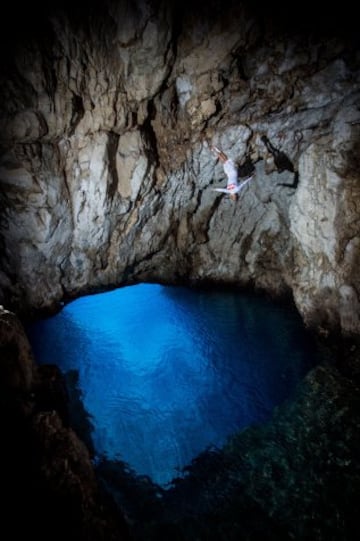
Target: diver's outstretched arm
x=222 y=190
x=243 y=183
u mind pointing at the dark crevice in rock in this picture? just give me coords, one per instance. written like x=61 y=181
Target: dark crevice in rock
x=240 y=64
x=48 y=68
x=112 y=147
x=174 y=105
x=77 y=114
x=131 y=119
x=149 y=136
x=214 y=115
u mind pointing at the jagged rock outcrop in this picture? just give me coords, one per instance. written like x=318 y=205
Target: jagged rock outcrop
x=49 y=488
x=106 y=171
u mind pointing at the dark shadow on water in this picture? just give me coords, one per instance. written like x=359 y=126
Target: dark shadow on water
x=206 y=504
x=80 y=419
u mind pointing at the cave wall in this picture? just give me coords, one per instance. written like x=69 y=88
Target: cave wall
x=49 y=489
x=106 y=173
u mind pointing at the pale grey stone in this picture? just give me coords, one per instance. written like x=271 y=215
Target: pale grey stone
x=107 y=172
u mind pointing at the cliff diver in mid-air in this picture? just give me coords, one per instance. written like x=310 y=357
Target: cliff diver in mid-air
x=233 y=186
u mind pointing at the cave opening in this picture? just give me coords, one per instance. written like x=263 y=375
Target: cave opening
x=158 y=374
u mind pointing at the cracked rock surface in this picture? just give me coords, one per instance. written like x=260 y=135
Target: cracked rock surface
x=107 y=176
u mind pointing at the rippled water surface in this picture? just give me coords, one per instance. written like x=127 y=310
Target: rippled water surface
x=165 y=372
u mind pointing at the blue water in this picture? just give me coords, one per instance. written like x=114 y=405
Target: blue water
x=166 y=372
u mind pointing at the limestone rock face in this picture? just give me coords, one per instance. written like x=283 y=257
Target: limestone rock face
x=106 y=170
x=327 y=249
